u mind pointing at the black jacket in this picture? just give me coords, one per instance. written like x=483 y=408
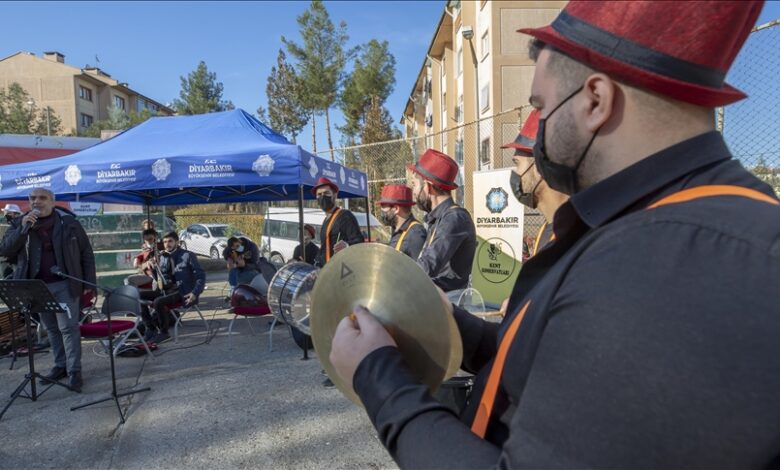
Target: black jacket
x=449 y=249
x=650 y=339
x=182 y=269
x=345 y=228
x=251 y=255
x=413 y=241
x=312 y=251
x=72 y=250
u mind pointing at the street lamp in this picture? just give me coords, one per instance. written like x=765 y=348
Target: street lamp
x=468 y=34
x=31 y=103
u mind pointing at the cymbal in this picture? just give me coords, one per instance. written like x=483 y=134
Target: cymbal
x=401 y=296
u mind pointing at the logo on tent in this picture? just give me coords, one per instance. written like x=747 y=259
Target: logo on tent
x=73 y=175
x=161 y=169
x=342 y=175
x=263 y=166
x=313 y=167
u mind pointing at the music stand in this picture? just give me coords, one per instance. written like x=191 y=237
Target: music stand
x=26 y=295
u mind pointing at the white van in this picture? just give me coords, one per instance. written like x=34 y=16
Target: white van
x=281 y=231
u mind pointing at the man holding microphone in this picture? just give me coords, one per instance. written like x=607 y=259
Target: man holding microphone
x=51 y=237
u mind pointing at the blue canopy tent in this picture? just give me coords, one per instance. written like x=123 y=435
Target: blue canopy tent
x=208 y=158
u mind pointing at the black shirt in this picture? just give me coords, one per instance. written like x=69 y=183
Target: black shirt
x=449 y=248
x=414 y=239
x=312 y=251
x=345 y=228
x=650 y=339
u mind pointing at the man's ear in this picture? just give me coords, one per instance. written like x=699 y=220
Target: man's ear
x=600 y=92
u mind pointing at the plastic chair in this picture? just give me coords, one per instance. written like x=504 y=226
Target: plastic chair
x=122 y=301
x=248 y=301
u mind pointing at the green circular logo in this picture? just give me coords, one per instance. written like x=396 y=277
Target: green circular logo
x=496 y=260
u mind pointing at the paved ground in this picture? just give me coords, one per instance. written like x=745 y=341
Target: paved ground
x=209 y=407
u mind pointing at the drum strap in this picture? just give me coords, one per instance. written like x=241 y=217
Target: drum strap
x=403 y=235
x=327 y=233
x=482 y=417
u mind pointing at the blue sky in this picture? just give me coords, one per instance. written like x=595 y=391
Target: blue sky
x=151 y=44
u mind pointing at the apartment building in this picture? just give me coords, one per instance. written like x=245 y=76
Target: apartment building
x=476 y=66
x=79 y=96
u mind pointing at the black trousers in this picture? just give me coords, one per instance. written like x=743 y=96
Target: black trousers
x=149 y=295
x=160 y=305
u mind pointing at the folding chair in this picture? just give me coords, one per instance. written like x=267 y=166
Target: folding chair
x=247 y=301
x=180 y=310
x=122 y=301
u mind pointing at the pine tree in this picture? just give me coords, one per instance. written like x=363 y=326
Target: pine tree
x=201 y=93
x=286 y=113
x=321 y=61
x=372 y=76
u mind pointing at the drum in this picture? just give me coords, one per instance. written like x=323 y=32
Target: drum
x=289 y=294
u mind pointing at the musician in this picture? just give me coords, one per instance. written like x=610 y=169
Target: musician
x=184 y=281
x=408 y=235
x=50 y=236
x=340 y=228
x=311 y=249
x=527 y=184
x=243 y=259
x=449 y=248
x=148 y=264
x=12 y=215
x=613 y=356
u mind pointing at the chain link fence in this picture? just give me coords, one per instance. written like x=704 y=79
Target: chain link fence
x=386 y=162
x=751 y=127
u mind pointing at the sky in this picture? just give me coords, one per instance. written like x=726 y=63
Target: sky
x=151 y=44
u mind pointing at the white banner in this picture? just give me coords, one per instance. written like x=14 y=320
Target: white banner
x=85 y=208
x=498 y=217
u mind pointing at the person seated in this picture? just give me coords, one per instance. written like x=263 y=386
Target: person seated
x=147 y=263
x=243 y=259
x=183 y=282
x=311 y=250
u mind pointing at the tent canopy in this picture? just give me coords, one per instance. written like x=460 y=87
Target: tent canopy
x=207 y=158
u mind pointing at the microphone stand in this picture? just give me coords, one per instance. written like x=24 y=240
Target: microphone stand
x=114 y=394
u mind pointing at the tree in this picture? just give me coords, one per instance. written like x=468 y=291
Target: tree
x=286 y=113
x=321 y=61
x=372 y=76
x=201 y=93
x=118 y=120
x=20 y=115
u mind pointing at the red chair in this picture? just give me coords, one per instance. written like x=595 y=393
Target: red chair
x=248 y=302
x=123 y=301
x=87 y=305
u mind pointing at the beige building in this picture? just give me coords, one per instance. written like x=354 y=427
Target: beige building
x=79 y=97
x=475 y=38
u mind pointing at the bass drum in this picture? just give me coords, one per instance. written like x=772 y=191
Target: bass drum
x=289 y=298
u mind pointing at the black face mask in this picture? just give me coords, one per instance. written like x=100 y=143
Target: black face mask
x=423 y=202
x=9 y=218
x=558 y=176
x=387 y=218
x=516 y=183
x=325 y=202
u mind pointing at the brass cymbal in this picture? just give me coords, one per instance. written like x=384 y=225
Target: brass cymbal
x=401 y=296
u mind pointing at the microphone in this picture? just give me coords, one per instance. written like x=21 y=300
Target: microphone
x=57 y=271
x=29 y=224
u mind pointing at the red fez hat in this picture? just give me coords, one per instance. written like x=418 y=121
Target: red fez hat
x=437 y=168
x=524 y=143
x=682 y=50
x=324 y=182
x=396 y=195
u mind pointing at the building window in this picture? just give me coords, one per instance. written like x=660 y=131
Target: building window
x=86 y=120
x=459 y=110
x=459 y=151
x=484 y=151
x=152 y=107
x=85 y=93
x=485 y=44
x=119 y=102
x=139 y=105
x=484 y=98
x=459 y=61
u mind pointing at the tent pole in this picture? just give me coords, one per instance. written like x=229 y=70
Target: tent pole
x=368 y=219
x=303 y=252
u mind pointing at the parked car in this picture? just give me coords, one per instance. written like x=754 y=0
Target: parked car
x=281 y=231
x=207 y=239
